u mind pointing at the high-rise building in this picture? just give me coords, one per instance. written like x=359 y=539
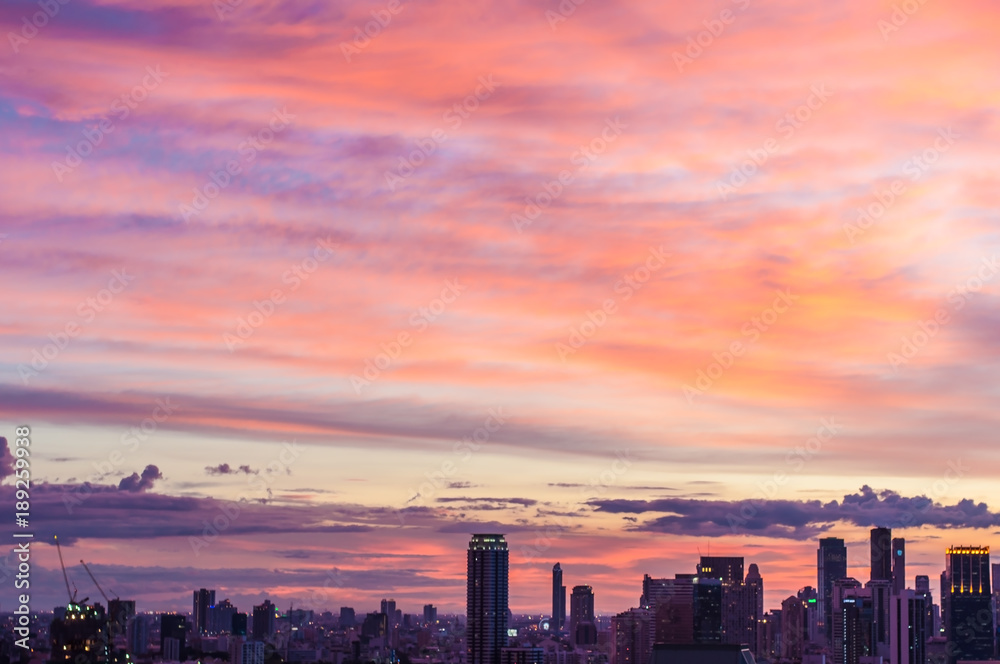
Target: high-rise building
x=79 y=635
x=203 y=599
x=728 y=569
x=633 y=635
x=793 y=629
x=755 y=606
x=389 y=608
x=242 y=651
x=239 y=626
x=173 y=627
x=347 y=617
x=707 y=610
x=908 y=632
x=263 y=620
x=138 y=636
x=220 y=617
x=582 y=625
x=881 y=554
x=851 y=620
x=486 y=598
x=558 y=622
x=966 y=603
x=673 y=602
x=923 y=590
x=831 y=563
x=898 y=565
x=881 y=594
x=430 y=614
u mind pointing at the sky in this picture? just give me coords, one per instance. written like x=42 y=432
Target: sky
x=299 y=296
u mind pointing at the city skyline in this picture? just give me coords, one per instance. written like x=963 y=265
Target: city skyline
x=298 y=296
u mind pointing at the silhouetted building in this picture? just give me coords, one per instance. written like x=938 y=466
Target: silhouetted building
x=80 y=635
x=707 y=610
x=583 y=627
x=486 y=598
x=242 y=651
x=966 y=603
x=137 y=633
x=881 y=554
x=173 y=637
x=881 y=593
x=522 y=656
x=430 y=614
x=793 y=628
x=673 y=603
x=375 y=626
x=220 y=617
x=898 y=565
x=239 y=626
x=347 y=617
x=908 y=632
x=263 y=620
x=632 y=635
x=923 y=589
x=701 y=654
x=831 y=564
x=558 y=621
x=202 y=600
x=728 y=569
x=120 y=612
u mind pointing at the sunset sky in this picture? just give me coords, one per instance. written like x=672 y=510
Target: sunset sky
x=624 y=280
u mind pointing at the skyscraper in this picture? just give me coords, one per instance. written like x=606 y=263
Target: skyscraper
x=966 y=603
x=881 y=554
x=583 y=627
x=263 y=620
x=558 y=621
x=486 y=598
x=908 y=632
x=898 y=565
x=203 y=599
x=633 y=635
x=831 y=564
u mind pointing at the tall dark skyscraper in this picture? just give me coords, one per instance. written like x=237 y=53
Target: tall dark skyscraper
x=263 y=620
x=729 y=570
x=173 y=626
x=558 y=621
x=898 y=565
x=203 y=600
x=486 y=598
x=966 y=603
x=881 y=558
x=831 y=565
x=582 y=624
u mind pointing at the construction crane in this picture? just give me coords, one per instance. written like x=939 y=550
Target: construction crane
x=101 y=590
x=71 y=593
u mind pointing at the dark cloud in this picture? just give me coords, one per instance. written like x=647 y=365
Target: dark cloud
x=800 y=519
x=6 y=459
x=460 y=485
x=136 y=483
x=226 y=469
x=526 y=502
